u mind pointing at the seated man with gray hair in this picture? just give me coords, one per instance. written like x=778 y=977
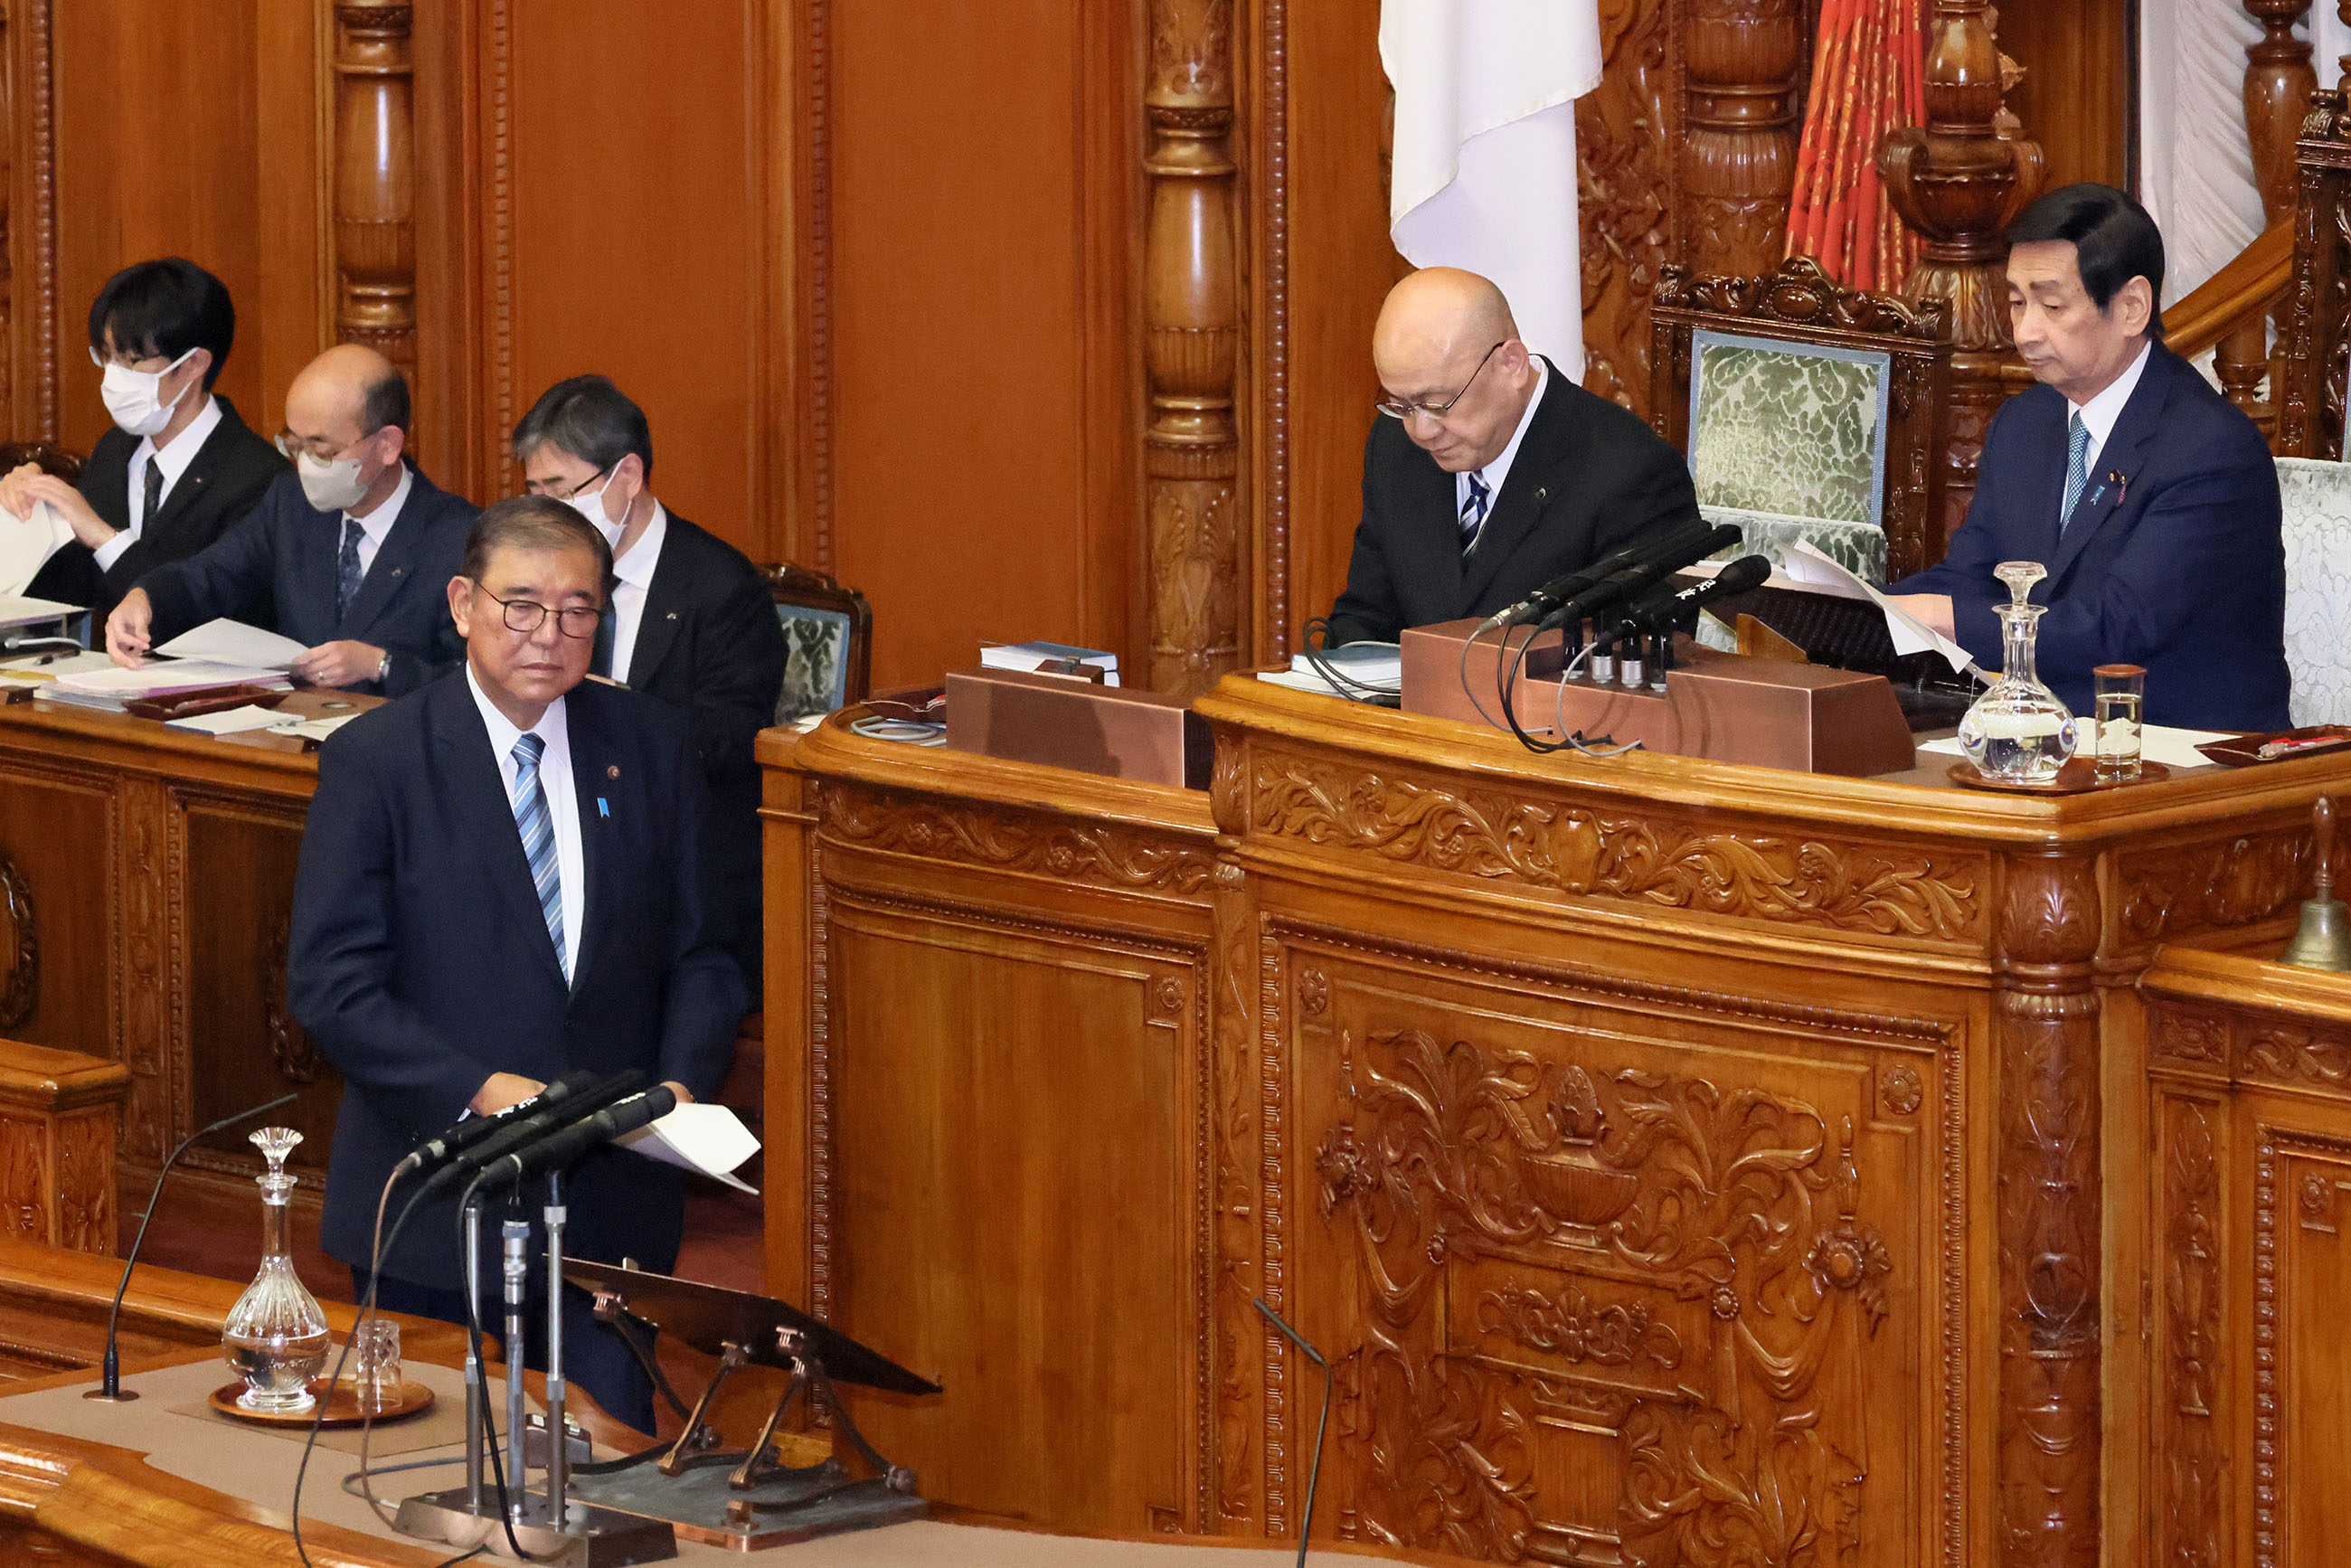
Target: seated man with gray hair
x=691 y=621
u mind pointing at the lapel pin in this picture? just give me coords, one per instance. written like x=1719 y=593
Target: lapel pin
x=671 y=616
x=612 y=771
x=603 y=809
x=2121 y=481
x=1542 y=493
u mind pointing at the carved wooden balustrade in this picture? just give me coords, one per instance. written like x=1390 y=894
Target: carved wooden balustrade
x=2317 y=330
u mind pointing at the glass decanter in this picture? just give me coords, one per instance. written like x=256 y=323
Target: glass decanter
x=276 y=1336
x=2018 y=731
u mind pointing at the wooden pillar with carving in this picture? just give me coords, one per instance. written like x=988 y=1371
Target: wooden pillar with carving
x=374 y=171
x=60 y=1115
x=2050 y=1207
x=1741 y=63
x=1191 y=302
x=2279 y=81
x=2317 y=320
x=1958 y=179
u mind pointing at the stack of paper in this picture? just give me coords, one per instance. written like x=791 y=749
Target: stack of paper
x=110 y=689
x=710 y=1139
x=1810 y=567
x=234 y=643
x=1364 y=669
x=31 y=672
x=1030 y=655
x=232 y=721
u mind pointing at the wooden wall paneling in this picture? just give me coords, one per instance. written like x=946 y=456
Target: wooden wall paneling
x=1629 y=173
x=57 y=831
x=1741 y=63
x=31 y=239
x=60 y=1112
x=973 y=263
x=1191 y=281
x=452 y=435
x=1320 y=263
x=290 y=318
x=2076 y=93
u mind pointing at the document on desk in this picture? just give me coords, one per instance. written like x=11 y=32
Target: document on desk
x=227 y=641
x=27 y=544
x=708 y=1139
x=232 y=721
x=1812 y=568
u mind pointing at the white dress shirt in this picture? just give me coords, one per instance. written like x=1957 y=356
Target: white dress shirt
x=2098 y=416
x=378 y=523
x=562 y=801
x=636 y=572
x=1495 y=473
x=174 y=461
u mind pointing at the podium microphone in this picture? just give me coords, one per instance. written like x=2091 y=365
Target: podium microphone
x=1562 y=589
x=1664 y=609
x=1658 y=560
x=110 y=1386
x=559 y=1149
x=464 y=1135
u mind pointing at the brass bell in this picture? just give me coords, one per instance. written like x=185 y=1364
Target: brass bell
x=2324 y=941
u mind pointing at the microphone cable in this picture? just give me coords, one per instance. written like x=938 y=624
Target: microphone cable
x=1341 y=684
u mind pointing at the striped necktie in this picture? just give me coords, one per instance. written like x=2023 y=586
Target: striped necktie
x=2078 y=468
x=347 y=573
x=1473 y=512
x=538 y=837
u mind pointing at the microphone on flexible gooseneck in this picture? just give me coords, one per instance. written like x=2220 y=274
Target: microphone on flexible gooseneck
x=435 y=1152
x=109 y=1386
x=1670 y=606
x=530 y=1129
x=1568 y=585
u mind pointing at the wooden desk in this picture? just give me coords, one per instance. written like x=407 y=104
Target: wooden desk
x=154 y=870
x=1663 y=1151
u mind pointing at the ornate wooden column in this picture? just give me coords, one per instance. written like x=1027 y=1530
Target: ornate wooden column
x=1740 y=60
x=1191 y=304
x=374 y=160
x=2318 y=317
x=1958 y=181
x=2279 y=81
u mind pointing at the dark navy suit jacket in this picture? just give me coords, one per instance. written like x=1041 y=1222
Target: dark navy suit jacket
x=1588 y=480
x=277 y=569
x=2172 y=558
x=421 y=964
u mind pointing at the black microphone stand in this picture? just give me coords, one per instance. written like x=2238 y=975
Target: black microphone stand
x=110 y=1376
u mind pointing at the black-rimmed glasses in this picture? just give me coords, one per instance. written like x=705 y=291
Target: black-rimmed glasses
x=1436 y=410
x=525 y=615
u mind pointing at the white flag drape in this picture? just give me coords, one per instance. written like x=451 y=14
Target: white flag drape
x=1483 y=171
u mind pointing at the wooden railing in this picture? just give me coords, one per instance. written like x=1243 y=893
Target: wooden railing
x=2231 y=315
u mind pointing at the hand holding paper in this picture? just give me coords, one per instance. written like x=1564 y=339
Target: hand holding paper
x=234 y=643
x=1811 y=566
x=707 y=1138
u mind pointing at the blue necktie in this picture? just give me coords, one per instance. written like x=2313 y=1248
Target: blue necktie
x=1473 y=513
x=538 y=837
x=347 y=573
x=2077 y=469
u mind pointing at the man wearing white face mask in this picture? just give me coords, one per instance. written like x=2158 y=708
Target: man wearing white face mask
x=348 y=555
x=691 y=620
x=179 y=466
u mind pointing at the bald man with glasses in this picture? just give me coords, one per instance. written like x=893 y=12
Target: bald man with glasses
x=1487 y=471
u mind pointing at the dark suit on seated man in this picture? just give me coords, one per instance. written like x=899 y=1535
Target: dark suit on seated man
x=499 y=884
x=178 y=467
x=1490 y=473
x=2151 y=500
x=350 y=555
x=691 y=621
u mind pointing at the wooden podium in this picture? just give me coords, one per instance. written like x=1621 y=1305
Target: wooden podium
x=1663 y=1151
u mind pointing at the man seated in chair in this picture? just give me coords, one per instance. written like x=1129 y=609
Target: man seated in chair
x=1489 y=472
x=348 y=555
x=2150 y=498
x=691 y=621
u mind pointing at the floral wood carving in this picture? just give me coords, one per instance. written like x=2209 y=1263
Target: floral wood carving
x=289 y=1045
x=1625 y=175
x=1801 y=294
x=20 y=997
x=1698 y=1243
x=1105 y=856
x=1901 y=1089
x=1841 y=886
x=2180 y=890
x=1233 y=1098
x=2193 y=1300
x=2191 y=1037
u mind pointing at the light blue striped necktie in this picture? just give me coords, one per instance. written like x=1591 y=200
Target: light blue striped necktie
x=538 y=837
x=2078 y=468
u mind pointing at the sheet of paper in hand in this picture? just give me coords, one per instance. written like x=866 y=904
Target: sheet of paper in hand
x=27 y=544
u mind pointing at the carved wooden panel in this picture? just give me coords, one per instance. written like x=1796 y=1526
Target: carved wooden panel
x=56 y=831
x=1627 y=176
x=1099 y=854
x=1651 y=858
x=1610 y=1279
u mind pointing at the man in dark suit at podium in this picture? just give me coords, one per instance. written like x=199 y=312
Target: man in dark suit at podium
x=691 y=621
x=2150 y=498
x=178 y=467
x=501 y=883
x=350 y=555
x=1489 y=472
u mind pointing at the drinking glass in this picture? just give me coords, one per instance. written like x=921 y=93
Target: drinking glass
x=2121 y=693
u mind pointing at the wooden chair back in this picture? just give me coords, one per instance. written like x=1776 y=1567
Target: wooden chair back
x=829 y=642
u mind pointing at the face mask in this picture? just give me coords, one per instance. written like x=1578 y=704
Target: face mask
x=333 y=486
x=134 y=397
x=592 y=508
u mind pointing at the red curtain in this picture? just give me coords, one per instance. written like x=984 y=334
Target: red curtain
x=1870 y=74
